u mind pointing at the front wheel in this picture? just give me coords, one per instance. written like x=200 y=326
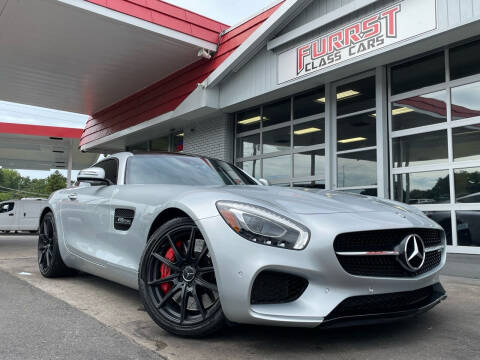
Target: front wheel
x=50 y=262
x=177 y=281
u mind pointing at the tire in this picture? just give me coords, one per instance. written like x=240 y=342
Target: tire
x=50 y=261
x=177 y=281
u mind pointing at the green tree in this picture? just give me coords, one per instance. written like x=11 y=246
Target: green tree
x=15 y=186
x=55 y=182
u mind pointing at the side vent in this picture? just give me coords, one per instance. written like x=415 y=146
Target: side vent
x=123 y=219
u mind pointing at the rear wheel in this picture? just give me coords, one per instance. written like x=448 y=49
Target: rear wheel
x=177 y=281
x=50 y=262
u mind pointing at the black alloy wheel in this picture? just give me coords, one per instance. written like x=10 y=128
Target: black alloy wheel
x=177 y=280
x=50 y=262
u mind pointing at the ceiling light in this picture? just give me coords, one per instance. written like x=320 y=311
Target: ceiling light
x=341 y=95
x=252 y=120
x=306 y=131
x=355 y=139
x=402 y=110
x=181 y=134
x=347 y=94
x=398 y=111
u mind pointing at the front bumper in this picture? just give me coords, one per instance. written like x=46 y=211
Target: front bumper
x=238 y=262
x=377 y=313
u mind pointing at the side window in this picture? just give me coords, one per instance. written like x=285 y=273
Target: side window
x=111 y=169
x=6 y=207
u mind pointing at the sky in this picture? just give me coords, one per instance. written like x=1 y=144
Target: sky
x=229 y=12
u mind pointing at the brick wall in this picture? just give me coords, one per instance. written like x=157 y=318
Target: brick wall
x=210 y=137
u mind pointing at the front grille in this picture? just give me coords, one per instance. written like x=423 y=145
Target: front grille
x=381 y=240
x=382 y=303
x=384 y=240
x=386 y=265
x=272 y=287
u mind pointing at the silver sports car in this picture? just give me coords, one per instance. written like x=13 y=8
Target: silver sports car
x=206 y=244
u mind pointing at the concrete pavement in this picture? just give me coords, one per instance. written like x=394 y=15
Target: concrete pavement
x=449 y=331
x=35 y=325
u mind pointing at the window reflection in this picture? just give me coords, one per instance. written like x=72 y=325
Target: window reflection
x=251 y=168
x=311 y=103
x=420 y=149
x=309 y=163
x=444 y=219
x=465 y=102
x=356 y=132
x=465 y=60
x=248 y=120
x=356 y=96
x=367 y=192
x=276 y=140
x=418 y=73
x=466 y=142
x=309 y=133
x=160 y=144
x=431 y=187
x=419 y=111
x=248 y=146
x=468 y=228
x=357 y=169
x=276 y=113
x=140 y=147
x=317 y=184
x=277 y=168
x=467 y=185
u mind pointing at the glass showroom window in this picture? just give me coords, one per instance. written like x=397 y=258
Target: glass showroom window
x=435 y=139
x=171 y=143
x=284 y=142
x=356 y=146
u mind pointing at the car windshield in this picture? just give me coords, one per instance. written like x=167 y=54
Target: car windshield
x=183 y=170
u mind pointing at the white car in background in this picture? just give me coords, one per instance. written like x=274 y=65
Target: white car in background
x=21 y=215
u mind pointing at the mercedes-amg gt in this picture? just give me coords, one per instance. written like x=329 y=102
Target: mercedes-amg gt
x=206 y=245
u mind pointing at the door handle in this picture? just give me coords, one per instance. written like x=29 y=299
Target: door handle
x=72 y=196
x=11 y=214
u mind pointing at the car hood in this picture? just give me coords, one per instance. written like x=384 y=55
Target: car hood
x=312 y=201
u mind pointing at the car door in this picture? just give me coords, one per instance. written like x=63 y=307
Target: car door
x=7 y=216
x=85 y=215
x=21 y=214
x=30 y=215
x=3 y=216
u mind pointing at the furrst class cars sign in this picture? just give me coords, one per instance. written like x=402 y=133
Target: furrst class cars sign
x=390 y=25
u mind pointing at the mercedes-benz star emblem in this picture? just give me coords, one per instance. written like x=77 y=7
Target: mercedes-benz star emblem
x=412 y=255
x=188 y=273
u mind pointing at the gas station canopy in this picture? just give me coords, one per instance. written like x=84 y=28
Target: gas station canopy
x=41 y=147
x=82 y=56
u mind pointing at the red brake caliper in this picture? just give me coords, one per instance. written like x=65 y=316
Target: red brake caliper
x=165 y=270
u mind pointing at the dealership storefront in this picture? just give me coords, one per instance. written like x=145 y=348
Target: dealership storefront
x=372 y=97
x=433 y=138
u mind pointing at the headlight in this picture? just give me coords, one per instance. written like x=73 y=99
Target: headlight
x=263 y=226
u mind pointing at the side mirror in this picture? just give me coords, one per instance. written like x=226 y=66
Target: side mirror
x=4 y=208
x=264 y=182
x=93 y=174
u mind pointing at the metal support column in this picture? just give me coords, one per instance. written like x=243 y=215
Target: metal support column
x=382 y=131
x=69 y=165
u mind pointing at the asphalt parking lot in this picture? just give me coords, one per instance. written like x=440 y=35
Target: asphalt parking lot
x=84 y=317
